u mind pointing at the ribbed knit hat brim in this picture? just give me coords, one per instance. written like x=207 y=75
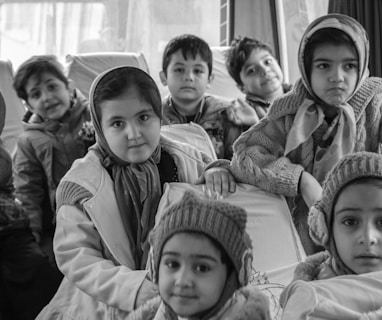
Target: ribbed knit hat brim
x=219 y=220
x=351 y=167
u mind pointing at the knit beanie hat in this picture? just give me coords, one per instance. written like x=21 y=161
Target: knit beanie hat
x=351 y=167
x=219 y=220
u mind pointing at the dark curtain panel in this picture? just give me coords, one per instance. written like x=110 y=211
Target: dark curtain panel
x=369 y=14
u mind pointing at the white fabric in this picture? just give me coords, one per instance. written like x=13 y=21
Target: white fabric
x=14 y=107
x=82 y=69
x=349 y=297
x=190 y=133
x=276 y=245
x=223 y=85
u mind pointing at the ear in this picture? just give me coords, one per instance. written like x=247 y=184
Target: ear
x=211 y=78
x=163 y=78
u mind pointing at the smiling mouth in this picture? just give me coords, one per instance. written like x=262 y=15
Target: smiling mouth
x=52 y=106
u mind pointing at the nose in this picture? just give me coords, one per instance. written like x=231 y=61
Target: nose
x=189 y=75
x=45 y=95
x=132 y=131
x=337 y=75
x=184 y=277
x=368 y=235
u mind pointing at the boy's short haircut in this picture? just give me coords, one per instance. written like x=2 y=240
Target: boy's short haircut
x=324 y=36
x=190 y=45
x=35 y=67
x=239 y=52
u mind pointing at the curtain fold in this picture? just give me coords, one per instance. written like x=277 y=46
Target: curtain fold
x=368 y=13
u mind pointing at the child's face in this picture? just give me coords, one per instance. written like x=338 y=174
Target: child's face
x=130 y=126
x=357 y=227
x=334 y=73
x=191 y=274
x=187 y=80
x=261 y=75
x=48 y=96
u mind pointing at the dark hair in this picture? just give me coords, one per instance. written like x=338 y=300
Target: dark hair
x=324 y=36
x=240 y=50
x=35 y=67
x=190 y=45
x=119 y=80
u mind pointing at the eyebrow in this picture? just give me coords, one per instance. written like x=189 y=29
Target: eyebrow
x=353 y=209
x=329 y=60
x=198 y=256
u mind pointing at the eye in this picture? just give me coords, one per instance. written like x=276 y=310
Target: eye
x=179 y=70
x=52 y=86
x=268 y=62
x=172 y=264
x=251 y=71
x=351 y=66
x=349 y=222
x=34 y=95
x=202 y=268
x=117 y=124
x=144 y=117
x=322 y=66
x=199 y=71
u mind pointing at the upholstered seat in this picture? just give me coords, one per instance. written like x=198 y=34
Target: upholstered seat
x=83 y=68
x=14 y=106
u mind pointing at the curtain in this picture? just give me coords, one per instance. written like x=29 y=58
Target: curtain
x=368 y=13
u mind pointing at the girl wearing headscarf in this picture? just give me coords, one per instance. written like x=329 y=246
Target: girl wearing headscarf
x=107 y=202
x=334 y=109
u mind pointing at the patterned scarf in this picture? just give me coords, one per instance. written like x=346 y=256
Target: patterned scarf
x=138 y=191
x=341 y=131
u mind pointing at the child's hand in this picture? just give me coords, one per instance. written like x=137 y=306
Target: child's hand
x=147 y=291
x=310 y=189
x=218 y=180
x=241 y=113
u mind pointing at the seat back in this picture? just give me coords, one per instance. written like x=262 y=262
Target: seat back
x=82 y=69
x=222 y=85
x=190 y=133
x=15 y=108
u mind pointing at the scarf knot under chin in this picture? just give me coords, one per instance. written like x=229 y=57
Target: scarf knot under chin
x=341 y=131
x=138 y=191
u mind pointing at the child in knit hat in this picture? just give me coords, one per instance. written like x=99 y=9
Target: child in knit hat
x=201 y=262
x=347 y=222
x=333 y=110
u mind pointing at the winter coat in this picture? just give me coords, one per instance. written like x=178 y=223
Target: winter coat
x=45 y=152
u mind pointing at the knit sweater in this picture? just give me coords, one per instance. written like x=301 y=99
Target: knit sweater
x=259 y=153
